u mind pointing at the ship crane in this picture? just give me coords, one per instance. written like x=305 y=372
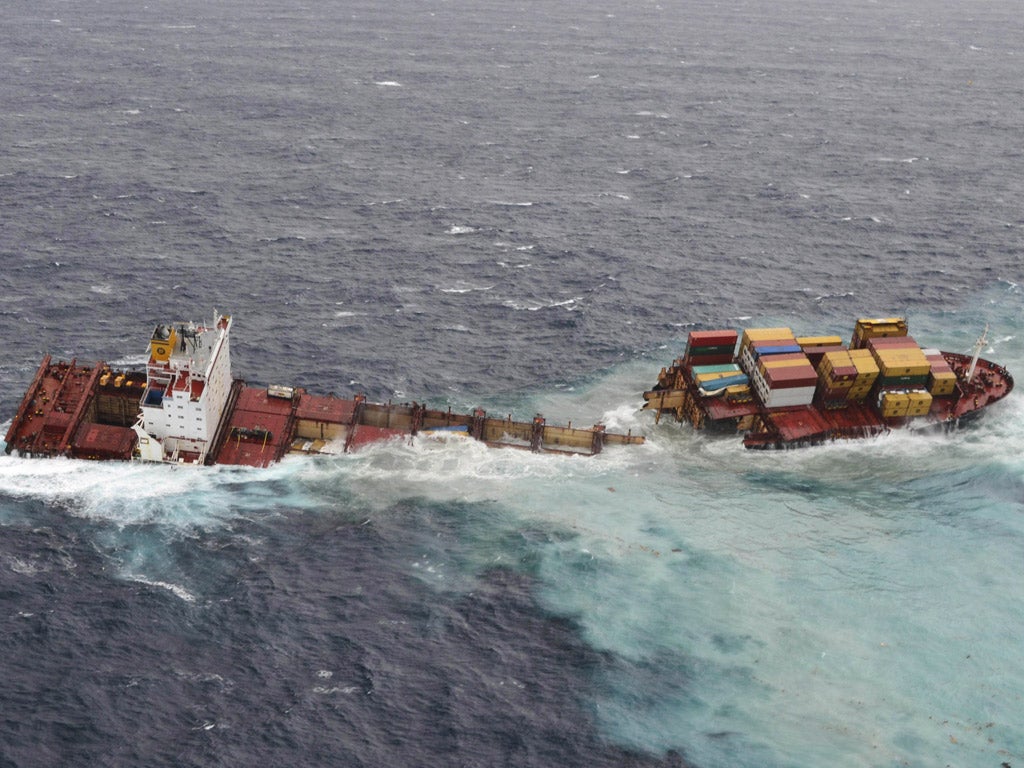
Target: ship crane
x=979 y=345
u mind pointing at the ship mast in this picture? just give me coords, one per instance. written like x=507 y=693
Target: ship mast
x=978 y=346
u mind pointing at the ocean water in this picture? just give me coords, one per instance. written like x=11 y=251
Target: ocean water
x=521 y=206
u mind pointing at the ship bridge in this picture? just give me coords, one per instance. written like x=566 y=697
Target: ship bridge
x=188 y=382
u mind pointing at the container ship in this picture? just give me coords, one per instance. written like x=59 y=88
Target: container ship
x=186 y=408
x=779 y=390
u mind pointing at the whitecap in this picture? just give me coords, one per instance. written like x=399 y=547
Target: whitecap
x=462 y=287
x=459 y=229
x=389 y=83
x=130 y=361
x=175 y=589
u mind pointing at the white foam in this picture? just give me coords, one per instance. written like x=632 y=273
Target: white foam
x=175 y=589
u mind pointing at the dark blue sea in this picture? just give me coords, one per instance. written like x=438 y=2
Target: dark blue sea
x=523 y=206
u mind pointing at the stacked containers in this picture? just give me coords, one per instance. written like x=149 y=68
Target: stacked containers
x=867 y=373
x=764 y=341
x=867 y=329
x=941 y=379
x=716 y=377
x=709 y=347
x=837 y=375
x=785 y=380
x=816 y=347
x=893 y=404
x=901 y=363
x=904 y=402
x=780 y=372
x=903 y=374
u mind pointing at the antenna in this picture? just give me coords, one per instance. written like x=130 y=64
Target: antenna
x=978 y=346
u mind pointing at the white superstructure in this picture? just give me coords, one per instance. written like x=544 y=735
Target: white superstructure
x=188 y=383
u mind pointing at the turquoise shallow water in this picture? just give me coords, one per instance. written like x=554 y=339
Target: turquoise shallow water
x=784 y=608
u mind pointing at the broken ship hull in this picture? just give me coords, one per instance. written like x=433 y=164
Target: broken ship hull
x=185 y=409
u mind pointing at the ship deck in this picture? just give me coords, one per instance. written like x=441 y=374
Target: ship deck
x=87 y=411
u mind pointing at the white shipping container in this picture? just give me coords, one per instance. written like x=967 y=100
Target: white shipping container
x=783 y=398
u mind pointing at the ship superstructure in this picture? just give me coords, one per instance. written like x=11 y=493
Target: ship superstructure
x=186 y=408
x=188 y=383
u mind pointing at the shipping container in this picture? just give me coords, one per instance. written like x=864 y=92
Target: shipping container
x=788 y=398
x=721 y=368
x=765 y=334
x=811 y=342
x=707 y=359
x=942 y=384
x=893 y=404
x=705 y=377
x=788 y=378
x=782 y=361
x=892 y=342
x=714 y=385
x=713 y=338
x=919 y=403
x=867 y=328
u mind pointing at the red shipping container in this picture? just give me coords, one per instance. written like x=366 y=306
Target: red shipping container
x=713 y=338
x=101 y=441
x=787 y=378
x=707 y=359
x=892 y=342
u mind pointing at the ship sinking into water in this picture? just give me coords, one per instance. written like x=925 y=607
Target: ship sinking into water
x=186 y=408
x=780 y=391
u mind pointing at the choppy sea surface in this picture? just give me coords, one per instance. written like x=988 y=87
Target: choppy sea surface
x=523 y=206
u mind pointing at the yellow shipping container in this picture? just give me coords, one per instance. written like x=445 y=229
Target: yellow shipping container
x=869 y=328
x=919 y=403
x=902 y=362
x=832 y=360
x=819 y=341
x=904 y=368
x=739 y=393
x=893 y=353
x=765 y=334
x=942 y=384
x=864 y=362
x=894 y=404
x=832 y=384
